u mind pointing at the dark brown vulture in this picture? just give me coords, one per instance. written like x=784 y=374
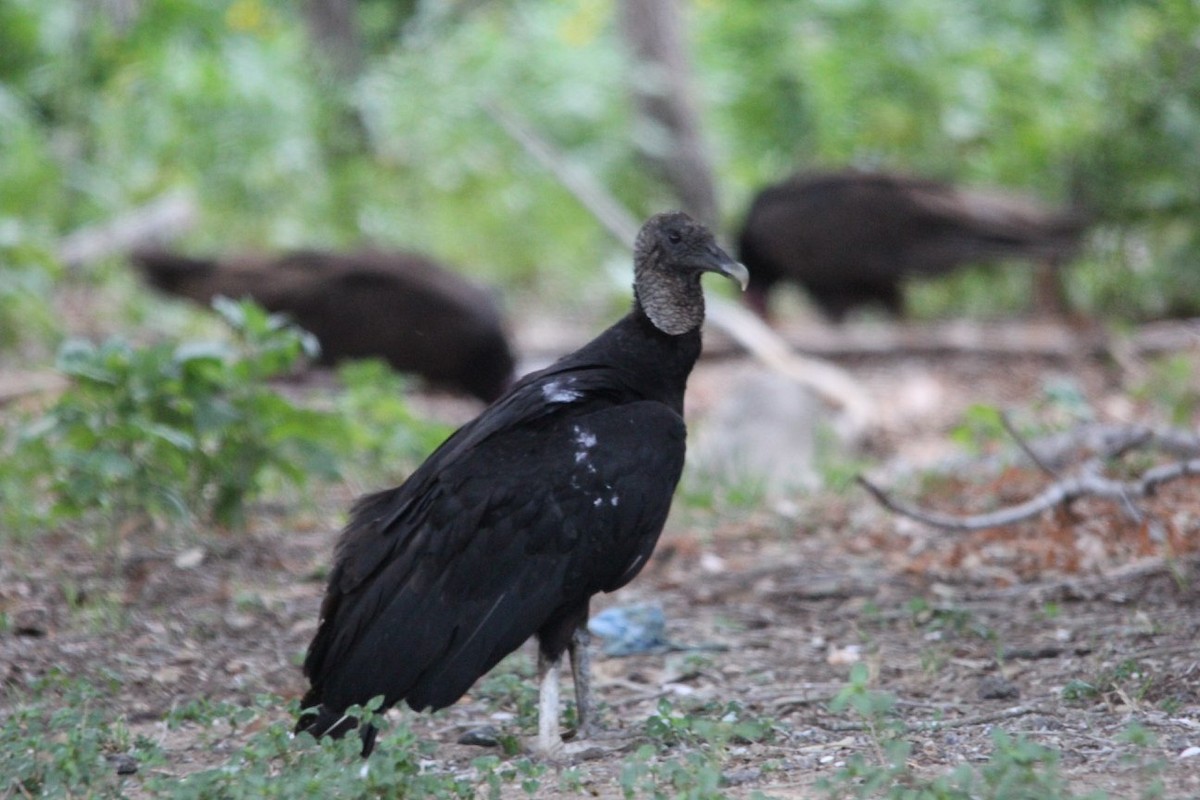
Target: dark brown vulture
x=400 y=307
x=851 y=238
x=557 y=491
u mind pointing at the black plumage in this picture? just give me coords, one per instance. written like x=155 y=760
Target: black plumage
x=851 y=238
x=398 y=306
x=558 y=491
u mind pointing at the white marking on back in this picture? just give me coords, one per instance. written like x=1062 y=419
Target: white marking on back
x=586 y=441
x=560 y=392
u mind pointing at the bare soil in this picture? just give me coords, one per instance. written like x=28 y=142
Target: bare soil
x=970 y=632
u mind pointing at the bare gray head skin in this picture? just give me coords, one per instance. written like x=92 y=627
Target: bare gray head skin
x=672 y=251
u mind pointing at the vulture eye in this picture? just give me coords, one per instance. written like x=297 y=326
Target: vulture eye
x=674 y=237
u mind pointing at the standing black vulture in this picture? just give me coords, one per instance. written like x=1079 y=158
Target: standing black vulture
x=558 y=491
x=850 y=238
x=398 y=306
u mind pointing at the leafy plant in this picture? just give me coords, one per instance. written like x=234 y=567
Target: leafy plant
x=1173 y=385
x=171 y=431
x=510 y=686
x=982 y=427
x=59 y=742
x=1016 y=770
x=383 y=435
x=714 y=726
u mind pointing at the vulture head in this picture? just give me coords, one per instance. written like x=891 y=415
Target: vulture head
x=672 y=251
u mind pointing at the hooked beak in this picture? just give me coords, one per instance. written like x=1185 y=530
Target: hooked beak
x=719 y=261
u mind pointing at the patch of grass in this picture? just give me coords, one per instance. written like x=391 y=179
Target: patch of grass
x=695 y=776
x=1017 y=769
x=59 y=738
x=947 y=620
x=687 y=750
x=1140 y=739
x=1172 y=385
x=511 y=687
x=981 y=429
x=1128 y=682
x=709 y=490
x=714 y=726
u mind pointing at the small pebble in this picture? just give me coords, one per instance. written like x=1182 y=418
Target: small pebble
x=997 y=687
x=487 y=736
x=123 y=763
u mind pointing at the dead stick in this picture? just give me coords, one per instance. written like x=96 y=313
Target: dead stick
x=1024 y=445
x=830 y=382
x=1062 y=491
x=611 y=214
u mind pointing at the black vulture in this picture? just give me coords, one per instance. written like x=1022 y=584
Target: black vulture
x=398 y=306
x=850 y=238
x=557 y=491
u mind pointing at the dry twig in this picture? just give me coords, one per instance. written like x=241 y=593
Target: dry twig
x=1060 y=492
x=1025 y=448
x=830 y=382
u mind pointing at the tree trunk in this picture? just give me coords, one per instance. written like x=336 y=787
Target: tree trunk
x=668 y=129
x=333 y=27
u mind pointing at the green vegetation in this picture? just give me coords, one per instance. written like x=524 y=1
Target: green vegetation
x=60 y=739
x=1083 y=101
x=169 y=431
x=713 y=726
x=1016 y=769
x=192 y=431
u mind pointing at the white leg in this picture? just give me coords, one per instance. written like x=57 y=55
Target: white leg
x=549 y=740
x=581 y=671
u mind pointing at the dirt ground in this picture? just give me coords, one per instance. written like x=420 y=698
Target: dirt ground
x=970 y=632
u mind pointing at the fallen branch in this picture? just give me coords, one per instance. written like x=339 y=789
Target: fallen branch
x=1106 y=441
x=1061 y=492
x=1029 y=452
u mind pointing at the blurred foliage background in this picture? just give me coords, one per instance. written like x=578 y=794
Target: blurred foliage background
x=106 y=105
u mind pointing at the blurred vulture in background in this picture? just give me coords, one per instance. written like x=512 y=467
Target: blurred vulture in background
x=851 y=238
x=400 y=307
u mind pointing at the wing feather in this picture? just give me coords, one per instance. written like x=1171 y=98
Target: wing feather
x=516 y=516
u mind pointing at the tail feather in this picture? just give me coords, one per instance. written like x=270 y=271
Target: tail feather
x=1005 y=224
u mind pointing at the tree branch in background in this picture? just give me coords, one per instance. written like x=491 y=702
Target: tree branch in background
x=828 y=381
x=667 y=130
x=163 y=218
x=333 y=28
x=615 y=218
x=1060 y=492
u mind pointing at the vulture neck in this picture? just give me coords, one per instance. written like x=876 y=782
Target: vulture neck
x=672 y=301
x=662 y=361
